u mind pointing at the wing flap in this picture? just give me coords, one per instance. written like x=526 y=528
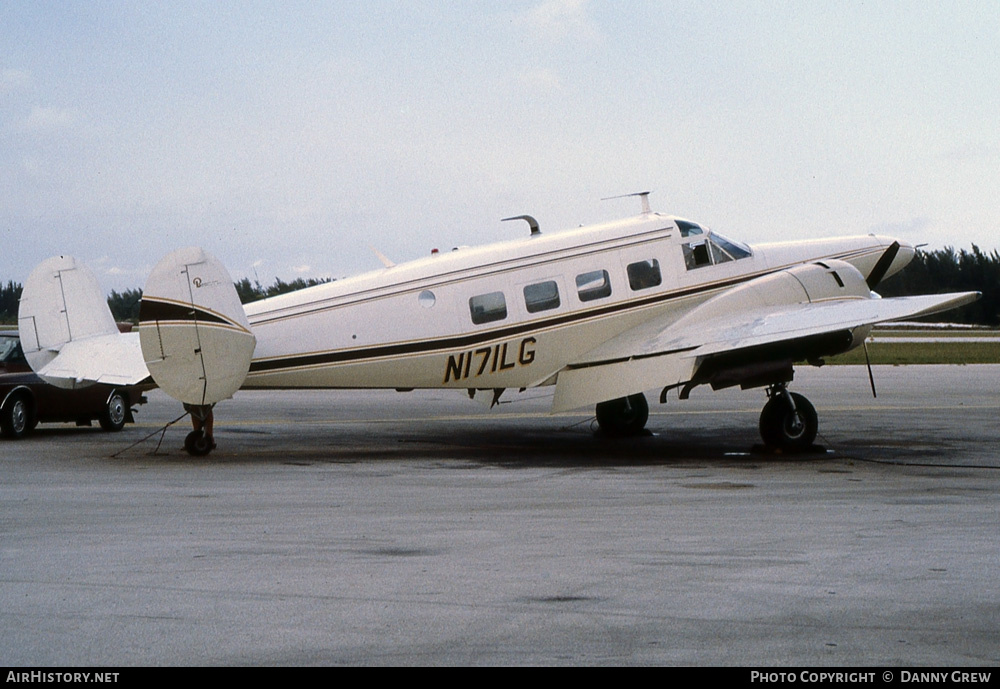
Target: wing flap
x=579 y=387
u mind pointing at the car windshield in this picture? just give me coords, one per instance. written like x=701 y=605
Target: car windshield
x=10 y=348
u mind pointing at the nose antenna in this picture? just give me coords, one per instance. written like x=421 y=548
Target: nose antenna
x=643 y=197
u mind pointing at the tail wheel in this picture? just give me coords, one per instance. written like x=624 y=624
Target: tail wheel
x=15 y=416
x=789 y=422
x=623 y=416
x=198 y=444
x=115 y=413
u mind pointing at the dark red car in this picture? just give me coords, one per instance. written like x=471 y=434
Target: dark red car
x=25 y=399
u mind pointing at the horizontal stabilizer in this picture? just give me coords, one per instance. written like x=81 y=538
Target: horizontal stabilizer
x=112 y=359
x=195 y=336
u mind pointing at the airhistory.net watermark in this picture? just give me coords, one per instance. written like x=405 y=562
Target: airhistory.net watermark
x=62 y=677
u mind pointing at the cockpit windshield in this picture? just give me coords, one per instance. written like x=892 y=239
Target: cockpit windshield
x=707 y=248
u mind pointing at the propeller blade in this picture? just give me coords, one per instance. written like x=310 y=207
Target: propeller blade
x=879 y=271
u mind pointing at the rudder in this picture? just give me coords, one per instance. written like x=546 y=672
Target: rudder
x=195 y=336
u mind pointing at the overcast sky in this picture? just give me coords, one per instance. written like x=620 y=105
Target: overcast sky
x=286 y=137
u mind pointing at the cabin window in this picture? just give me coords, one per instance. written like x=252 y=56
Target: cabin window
x=487 y=308
x=541 y=296
x=644 y=274
x=593 y=285
x=426 y=299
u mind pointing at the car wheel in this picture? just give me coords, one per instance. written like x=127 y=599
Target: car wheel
x=15 y=416
x=115 y=412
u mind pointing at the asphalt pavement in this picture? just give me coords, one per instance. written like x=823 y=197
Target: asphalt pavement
x=385 y=528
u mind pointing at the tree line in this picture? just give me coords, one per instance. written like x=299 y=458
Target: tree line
x=943 y=270
x=948 y=270
x=125 y=305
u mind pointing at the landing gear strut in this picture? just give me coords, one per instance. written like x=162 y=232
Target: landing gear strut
x=623 y=416
x=788 y=421
x=200 y=441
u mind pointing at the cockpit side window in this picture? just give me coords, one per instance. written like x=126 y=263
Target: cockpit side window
x=696 y=255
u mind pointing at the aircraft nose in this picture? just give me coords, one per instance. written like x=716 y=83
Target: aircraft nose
x=904 y=255
x=896 y=254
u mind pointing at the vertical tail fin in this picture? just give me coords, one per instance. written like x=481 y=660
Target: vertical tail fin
x=67 y=331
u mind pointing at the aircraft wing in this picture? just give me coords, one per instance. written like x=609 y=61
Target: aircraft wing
x=767 y=319
x=763 y=326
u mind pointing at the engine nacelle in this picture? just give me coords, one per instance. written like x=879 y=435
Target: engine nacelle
x=809 y=283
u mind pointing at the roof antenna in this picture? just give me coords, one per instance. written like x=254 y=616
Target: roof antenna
x=532 y=223
x=643 y=196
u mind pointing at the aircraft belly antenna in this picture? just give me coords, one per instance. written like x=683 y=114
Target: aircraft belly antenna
x=532 y=223
x=643 y=197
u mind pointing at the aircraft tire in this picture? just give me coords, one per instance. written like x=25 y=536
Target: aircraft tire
x=623 y=416
x=115 y=413
x=197 y=444
x=781 y=428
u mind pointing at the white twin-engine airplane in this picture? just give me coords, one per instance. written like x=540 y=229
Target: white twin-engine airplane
x=603 y=313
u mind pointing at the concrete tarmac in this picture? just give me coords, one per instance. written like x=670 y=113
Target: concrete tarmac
x=383 y=528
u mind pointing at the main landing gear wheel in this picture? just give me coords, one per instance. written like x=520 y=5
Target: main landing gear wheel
x=788 y=422
x=198 y=444
x=623 y=416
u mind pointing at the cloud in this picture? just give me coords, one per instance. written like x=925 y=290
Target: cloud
x=539 y=80
x=970 y=152
x=13 y=79
x=557 y=20
x=914 y=227
x=48 y=119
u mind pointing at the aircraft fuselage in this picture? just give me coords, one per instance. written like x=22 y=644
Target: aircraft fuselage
x=513 y=314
